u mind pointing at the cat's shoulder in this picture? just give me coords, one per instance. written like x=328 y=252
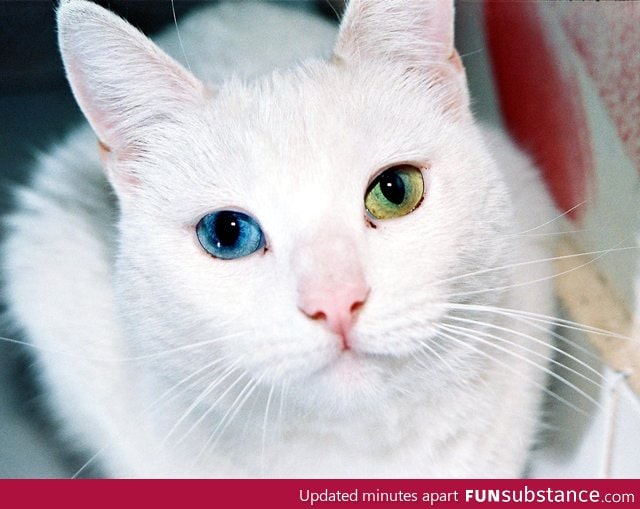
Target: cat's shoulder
x=67 y=181
x=62 y=220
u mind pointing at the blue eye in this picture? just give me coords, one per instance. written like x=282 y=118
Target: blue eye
x=228 y=234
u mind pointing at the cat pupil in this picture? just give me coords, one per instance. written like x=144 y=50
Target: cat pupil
x=392 y=187
x=227 y=229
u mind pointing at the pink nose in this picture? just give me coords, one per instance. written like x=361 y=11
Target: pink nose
x=336 y=309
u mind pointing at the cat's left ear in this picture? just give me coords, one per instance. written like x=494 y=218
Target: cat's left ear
x=125 y=85
x=415 y=33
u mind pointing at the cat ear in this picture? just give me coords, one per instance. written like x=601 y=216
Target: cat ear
x=123 y=82
x=415 y=33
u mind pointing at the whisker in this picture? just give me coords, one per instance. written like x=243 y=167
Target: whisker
x=429 y=348
x=155 y=355
x=151 y=406
x=557 y=218
x=546 y=390
x=229 y=416
x=471 y=53
x=471 y=334
x=189 y=346
x=545 y=234
x=264 y=430
x=281 y=409
x=175 y=22
x=536 y=354
x=432 y=349
x=238 y=407
x=173 y=388
x=573 y=344
x=209 y=389
x=600 y=253
x=538 y=341
x=550 y=319
x=87 y=463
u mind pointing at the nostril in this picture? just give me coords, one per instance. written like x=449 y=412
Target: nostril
x=318 y=315
x=356 y=306
x=336 y=310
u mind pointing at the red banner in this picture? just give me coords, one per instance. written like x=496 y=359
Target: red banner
x=346 y=494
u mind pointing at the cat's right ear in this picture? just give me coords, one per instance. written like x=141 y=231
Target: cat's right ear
x=123 y=83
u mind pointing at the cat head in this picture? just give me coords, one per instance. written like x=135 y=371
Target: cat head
x=307 y=229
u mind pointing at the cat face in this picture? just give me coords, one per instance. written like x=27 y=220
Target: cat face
x=308 y=229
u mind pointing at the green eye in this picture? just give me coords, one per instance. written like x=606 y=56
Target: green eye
x=394 y=193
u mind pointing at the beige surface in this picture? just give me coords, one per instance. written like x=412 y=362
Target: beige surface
x=592 y=302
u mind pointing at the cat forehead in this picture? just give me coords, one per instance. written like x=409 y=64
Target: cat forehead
x=325 y=113
x=309 y=139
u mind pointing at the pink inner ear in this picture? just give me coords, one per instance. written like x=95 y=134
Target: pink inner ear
x=413 y=32
x=123 y=83
x=440 y=21
x=98 y=120
x=121 y=180
x=442 y=26
x=456 y=61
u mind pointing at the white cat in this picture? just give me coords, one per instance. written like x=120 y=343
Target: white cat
x=302 y=273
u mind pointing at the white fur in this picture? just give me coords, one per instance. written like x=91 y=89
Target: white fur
x=122 y=314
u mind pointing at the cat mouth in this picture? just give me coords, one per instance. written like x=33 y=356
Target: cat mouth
x=346 y=368
x=352 y=381
x=353 y=362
